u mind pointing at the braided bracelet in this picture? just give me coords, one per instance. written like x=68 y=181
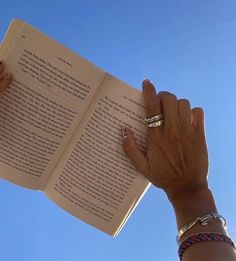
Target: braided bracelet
x=203 y=237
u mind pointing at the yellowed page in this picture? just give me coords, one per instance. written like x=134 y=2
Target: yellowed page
x=51 y=91
x=98 y=184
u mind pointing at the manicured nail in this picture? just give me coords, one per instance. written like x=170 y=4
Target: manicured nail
x=145 y=81
x=124 y=133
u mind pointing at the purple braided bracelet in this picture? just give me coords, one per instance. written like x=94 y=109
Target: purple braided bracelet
x=203 y=237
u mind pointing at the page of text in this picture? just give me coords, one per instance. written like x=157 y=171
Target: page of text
x=98 y=183
x=51 y=90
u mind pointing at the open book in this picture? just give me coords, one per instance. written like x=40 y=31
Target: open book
x=60 y=130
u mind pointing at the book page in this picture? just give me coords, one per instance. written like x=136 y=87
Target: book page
x=51 y=90
x=95 y=180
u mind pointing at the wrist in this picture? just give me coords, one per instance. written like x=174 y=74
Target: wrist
x=187 y=193
x=189 y=204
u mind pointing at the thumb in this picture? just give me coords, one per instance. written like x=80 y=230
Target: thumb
x=132 y=151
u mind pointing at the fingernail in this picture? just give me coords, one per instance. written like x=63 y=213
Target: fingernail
x=146 y=81
x=124 y=133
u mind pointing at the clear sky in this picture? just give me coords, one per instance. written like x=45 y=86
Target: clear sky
x=184 y=46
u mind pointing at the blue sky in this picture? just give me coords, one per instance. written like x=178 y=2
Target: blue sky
x=183 y=46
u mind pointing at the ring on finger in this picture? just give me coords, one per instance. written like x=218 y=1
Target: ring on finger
x=155 y=124
x=154 y=118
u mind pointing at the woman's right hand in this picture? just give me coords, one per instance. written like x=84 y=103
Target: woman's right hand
x=5 y=78
x=176 y=158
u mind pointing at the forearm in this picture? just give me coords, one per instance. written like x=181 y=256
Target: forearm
x=188 y=206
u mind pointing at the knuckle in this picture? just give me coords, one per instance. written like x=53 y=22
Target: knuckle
x=174 y=139
x=172 y=134
x=150 y=104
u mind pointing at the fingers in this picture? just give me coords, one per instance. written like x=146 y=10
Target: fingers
x=184 y=112
x=5 y=78
x=132 y=151
x=151 y=100
x=170 y=110
x=197 y=118
x=175 y=111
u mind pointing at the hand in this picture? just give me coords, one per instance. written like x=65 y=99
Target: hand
x=176 y=159
x=5 y=78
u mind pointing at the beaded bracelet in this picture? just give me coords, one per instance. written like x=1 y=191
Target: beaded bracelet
x=203 y=237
